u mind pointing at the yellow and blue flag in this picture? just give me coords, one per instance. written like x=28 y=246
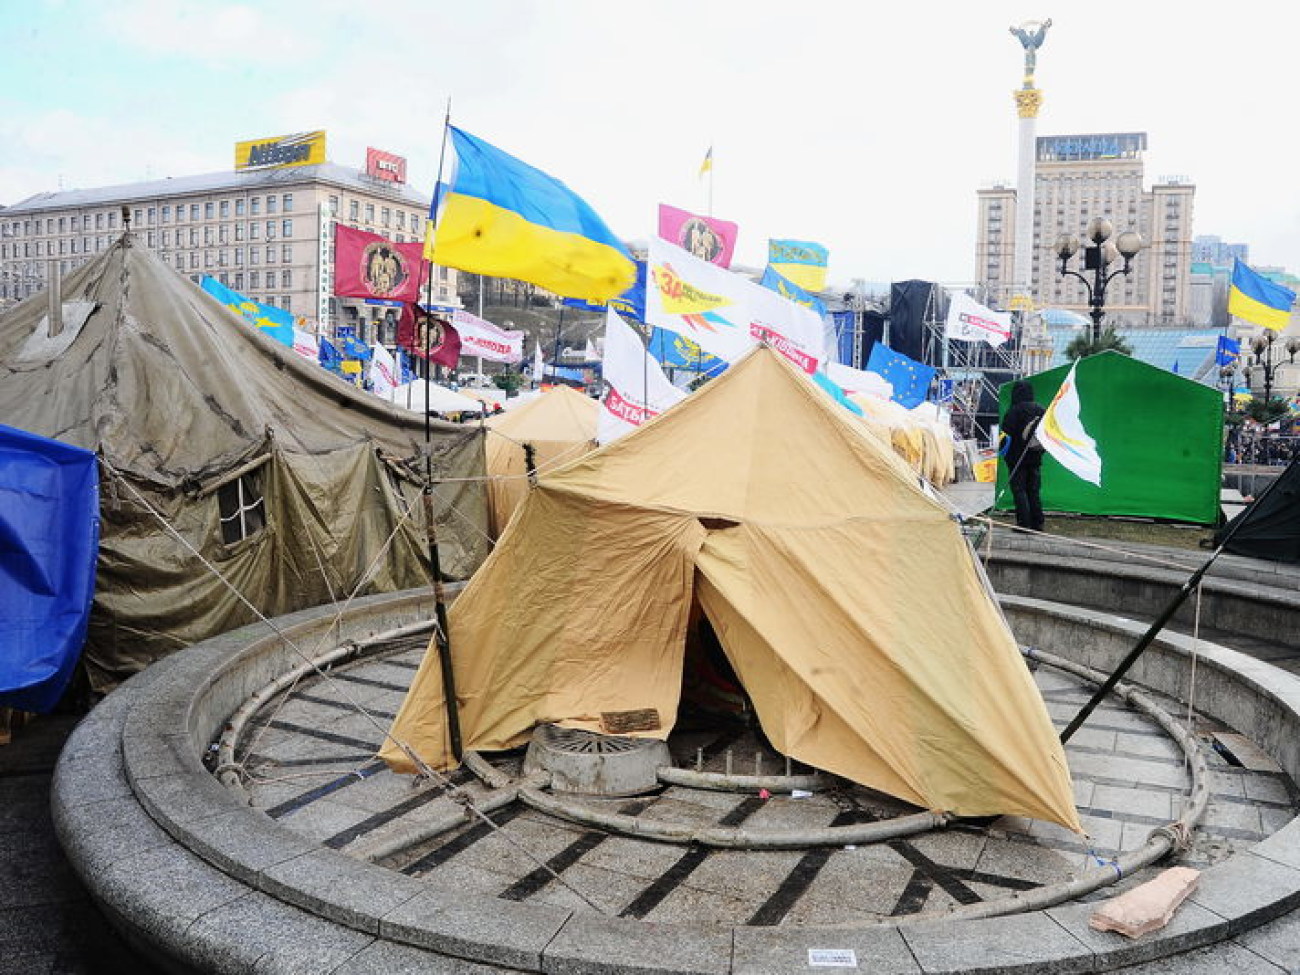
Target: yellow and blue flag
x=800 y=261
x=1257 y=299
x=501 y=217
x=1228 y=351
x=273 y=322
x=707 y=165
x=787 y=289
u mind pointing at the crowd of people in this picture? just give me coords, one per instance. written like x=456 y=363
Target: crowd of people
x=1256 y=445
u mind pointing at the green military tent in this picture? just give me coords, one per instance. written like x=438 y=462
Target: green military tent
x=228 y=461
x=1159 y=436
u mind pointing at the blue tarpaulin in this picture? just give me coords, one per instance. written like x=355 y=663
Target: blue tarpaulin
x=49 y=537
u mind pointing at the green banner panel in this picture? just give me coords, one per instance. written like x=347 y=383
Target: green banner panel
x=1160 y=438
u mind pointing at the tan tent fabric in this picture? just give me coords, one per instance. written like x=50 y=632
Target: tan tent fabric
x=923 y=441
x=178 y=395
x=844 y=597
x=560 y=425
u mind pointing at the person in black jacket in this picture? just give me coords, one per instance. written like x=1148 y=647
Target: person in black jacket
x=1024 y=459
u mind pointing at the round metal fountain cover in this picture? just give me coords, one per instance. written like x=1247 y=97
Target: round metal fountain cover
x=587 y=763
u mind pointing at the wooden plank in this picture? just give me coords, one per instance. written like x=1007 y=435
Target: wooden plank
x=1245 y=751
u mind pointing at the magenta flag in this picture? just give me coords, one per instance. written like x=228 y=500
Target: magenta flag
x=707 y=238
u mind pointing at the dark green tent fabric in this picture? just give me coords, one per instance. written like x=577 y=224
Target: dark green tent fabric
x=1269 y=527
x=194 y=412
x=1160 y=438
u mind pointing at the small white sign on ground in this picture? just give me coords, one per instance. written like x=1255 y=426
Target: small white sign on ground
x=832 y=958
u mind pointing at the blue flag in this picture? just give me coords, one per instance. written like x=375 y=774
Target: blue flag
x=629 y=305
x=773 y=280
x=404 y=371
x=1228 y=351
x=676 y=350
x=910 y=379
x=355 y=349
x=329 y=356
x=275 y=322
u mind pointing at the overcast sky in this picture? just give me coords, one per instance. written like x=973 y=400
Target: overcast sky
x=865 y=126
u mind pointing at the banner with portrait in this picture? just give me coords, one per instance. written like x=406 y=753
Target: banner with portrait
x=707 y=238
x=370 y=266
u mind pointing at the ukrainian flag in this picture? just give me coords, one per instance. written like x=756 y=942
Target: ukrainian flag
x=1257 y=299
x=501 y=217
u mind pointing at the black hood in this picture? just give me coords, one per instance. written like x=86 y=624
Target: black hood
x=1022 y=392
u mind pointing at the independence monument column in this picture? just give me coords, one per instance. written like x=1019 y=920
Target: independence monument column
x=1029 y=99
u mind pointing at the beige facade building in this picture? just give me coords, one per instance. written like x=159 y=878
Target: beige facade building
x=1076 y=178
x=266 y=233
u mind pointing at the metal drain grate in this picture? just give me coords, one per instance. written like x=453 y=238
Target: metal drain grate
x=587 y=763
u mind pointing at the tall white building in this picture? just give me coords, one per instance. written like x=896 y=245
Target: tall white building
x=1076 y=178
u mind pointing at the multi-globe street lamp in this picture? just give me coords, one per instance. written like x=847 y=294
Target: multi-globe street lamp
x=1266 y=355
x=1099 y=252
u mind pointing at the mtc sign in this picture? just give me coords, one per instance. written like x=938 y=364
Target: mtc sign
x=301 y=149
x=385 y=166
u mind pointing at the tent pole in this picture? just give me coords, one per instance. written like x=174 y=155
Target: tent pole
x=1180 y=597
x=443 y=637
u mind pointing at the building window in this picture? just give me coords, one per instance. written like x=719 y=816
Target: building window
x=223 y=234
x=270 y=254
x=370 y=213
x=385 y=216
x=224 y=209
x=270 y=230
x=254 y=255
x=354 y=210
x=239 y=279
x=150 y=215
x=194 y=212
x=286 y=281
x=221 y=258
x=401 y=219
x=254 y=230
x=207 y=259
x=242 y=513
x=207 y=236
x=239 y=257
x=194 y=236
x=209 y=210
x=270 y=204
x=334 y=206
x=167 y=214
x=194 y=259
x=286 y=203
x=180 y=262
x=150 y=239
x=254 y=279
x=286 y=253
x=286 y=228
x=255 y=205
x=284 y=302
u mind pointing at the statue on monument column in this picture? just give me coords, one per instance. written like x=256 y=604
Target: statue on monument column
x=1031 y=35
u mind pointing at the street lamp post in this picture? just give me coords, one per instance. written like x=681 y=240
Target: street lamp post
x=1099 y=252
x=1265 y=356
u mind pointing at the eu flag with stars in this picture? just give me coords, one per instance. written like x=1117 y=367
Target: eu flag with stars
x=330 y=357
x=910 y=379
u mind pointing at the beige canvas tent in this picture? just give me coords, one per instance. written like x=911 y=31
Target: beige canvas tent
x=560 y=426
x=844 y=596
x=296 y=486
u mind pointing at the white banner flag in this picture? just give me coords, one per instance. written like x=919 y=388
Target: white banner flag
x=479 y=337
x=636 y=388
x=1063 y=436
x=383 y=372
x=537 y=361
x=724 y=313
x=306 y=344
x=970 y=321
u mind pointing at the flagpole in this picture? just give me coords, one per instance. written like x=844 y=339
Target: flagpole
x=443 y=637
x=1179 y=598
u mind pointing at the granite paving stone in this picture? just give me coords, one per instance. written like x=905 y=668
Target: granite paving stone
x=588 y=945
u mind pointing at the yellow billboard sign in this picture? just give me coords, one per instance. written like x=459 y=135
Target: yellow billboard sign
x=300 y=149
